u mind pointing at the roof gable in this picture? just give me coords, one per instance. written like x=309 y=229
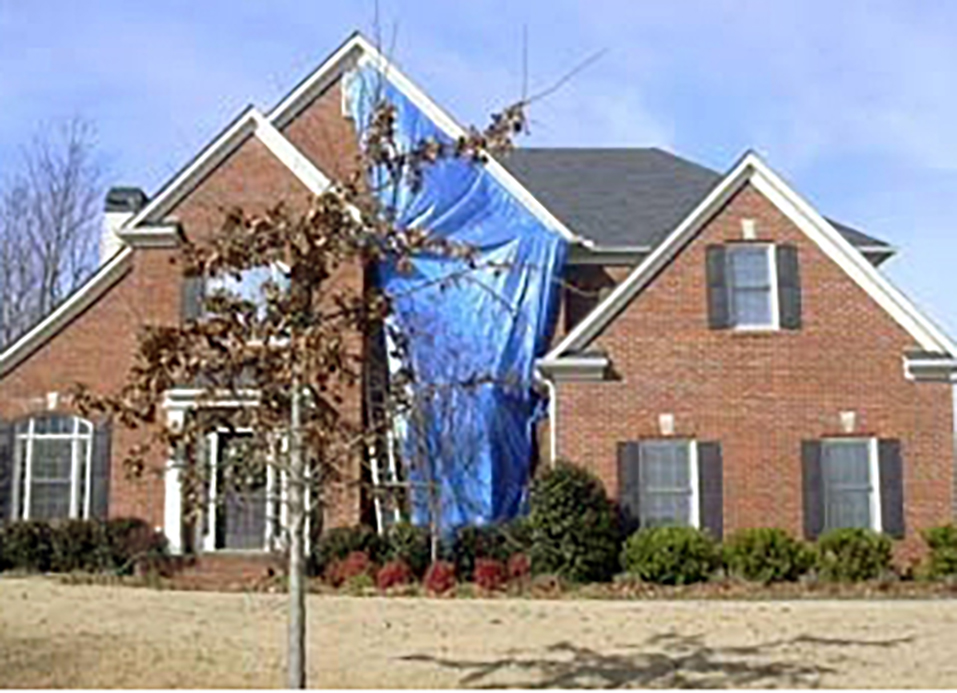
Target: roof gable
x=751 y=169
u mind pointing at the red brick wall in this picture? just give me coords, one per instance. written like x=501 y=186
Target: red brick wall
x=761 y=394
x=97 y=348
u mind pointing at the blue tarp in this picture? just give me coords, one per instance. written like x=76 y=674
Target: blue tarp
x=467 y=324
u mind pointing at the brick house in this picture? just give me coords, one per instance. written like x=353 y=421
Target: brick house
x=724 y=356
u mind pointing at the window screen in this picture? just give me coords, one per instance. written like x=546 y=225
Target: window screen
x=749 y=283
x=666 y=483
x=846 y=468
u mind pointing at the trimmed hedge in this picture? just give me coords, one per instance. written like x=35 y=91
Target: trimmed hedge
x=766 y=555
x=851 y=555
x=942 y=560
x=671 y=555
x=410 y=544
x=496 y=542
x=573 y=526
x=116 y=545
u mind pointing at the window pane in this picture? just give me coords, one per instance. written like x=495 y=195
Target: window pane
x=665 y=483
x=749 y=267
x=52 y=458
x=53 y=424
x=81 y=451
x=49 y=500
x=752 y=306
x=847 y=484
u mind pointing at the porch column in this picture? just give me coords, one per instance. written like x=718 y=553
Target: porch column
x=173 y=489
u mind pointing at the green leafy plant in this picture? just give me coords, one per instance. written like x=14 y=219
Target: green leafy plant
x=406 y=542
x=573 y=526
x=133 y=543
x=337 y=543
x=28 y=545
x=852 y=554
x=766 y=555
x=79 y=545
x=942 y=560
x=671 y=555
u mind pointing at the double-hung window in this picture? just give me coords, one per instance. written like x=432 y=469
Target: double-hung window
x=53 y=467
x=752 y=286
x=849 y=469
x=668 y=481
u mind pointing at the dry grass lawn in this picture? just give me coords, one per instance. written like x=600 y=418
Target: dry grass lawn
x=55 y=635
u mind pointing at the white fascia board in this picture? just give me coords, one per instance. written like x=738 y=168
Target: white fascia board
x=75 y=304
x=606 y=255
x=752 y=169
x=284 y=150
x=160 y=236
x=573 y=368
x=839 y=249
x=213 y=155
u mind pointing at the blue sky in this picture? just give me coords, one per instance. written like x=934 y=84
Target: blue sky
x=855 y=103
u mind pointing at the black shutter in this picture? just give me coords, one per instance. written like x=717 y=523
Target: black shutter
x=711 y=488
x=193 y=297
x=7 y=490
x=629 y=483
x=719 y=312
x=813 y=485
x=891 y=470
x=100 y=472
x=789 y=287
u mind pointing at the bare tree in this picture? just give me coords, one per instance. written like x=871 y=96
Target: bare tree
x=49 y=224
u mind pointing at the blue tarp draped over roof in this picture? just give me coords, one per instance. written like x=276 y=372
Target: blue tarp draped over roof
x=487 y=324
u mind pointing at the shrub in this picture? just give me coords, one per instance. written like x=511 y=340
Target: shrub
x=337 y=543
x=573 y=527
x=497 y=542
x=355 y=564
x=519 y=566
x=942 y=541
x=489 y=573
x=27 y=545
x=393 y=574
x=406 y=542
x=766 y=555
x=850 y=555
x=440 y=577
x=671 y=555
x=79 y=545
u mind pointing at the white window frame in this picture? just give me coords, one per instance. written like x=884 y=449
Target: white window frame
x=874 y=473
x=775 y=323
x=24 y=466
x=694 y=513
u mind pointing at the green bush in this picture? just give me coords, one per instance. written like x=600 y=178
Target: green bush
x=337 y=543
x=498 y=542
x=79 y=545
x=851 y=555
x=411 y=544
x=27 y=545
x=573 y=526
x=130 y=541
x=942 y=561
x=671 y=555
x=766 y=555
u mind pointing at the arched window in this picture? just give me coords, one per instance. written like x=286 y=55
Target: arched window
x=53 y=467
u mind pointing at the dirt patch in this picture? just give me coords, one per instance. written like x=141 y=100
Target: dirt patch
x=56 y=635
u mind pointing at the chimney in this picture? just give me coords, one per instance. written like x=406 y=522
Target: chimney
x=121 y=205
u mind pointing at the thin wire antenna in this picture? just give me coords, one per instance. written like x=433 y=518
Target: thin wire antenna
x=567 y=77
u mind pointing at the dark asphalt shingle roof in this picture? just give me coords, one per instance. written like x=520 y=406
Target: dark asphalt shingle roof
x=622 y=197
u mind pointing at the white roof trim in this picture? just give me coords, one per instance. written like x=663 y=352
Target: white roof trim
x=161 y=236
x=78 y=301
x=752 y=169
x=284 y=150
x=212 y=156
x=364 y=52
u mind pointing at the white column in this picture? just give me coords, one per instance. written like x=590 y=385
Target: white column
x=212 y=450
x=173 y=490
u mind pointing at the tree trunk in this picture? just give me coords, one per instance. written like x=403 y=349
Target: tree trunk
x=297 y=545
